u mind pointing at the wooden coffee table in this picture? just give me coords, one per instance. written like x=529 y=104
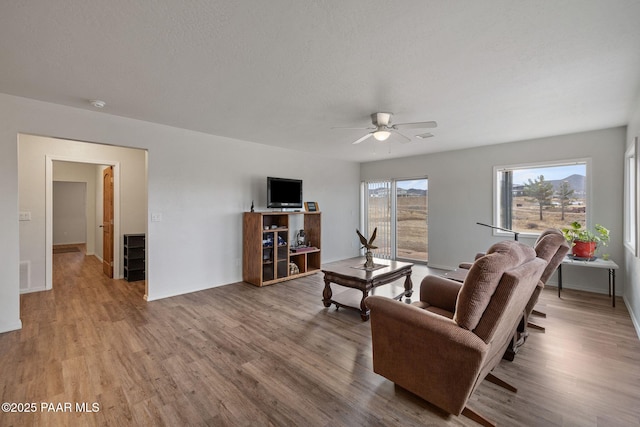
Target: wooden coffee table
x=351 y=273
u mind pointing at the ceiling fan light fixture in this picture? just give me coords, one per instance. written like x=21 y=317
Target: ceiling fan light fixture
x=382 y=128
x=381 y=135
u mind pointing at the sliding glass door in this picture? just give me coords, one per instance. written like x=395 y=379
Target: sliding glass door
x=377 y=201
x=398 y=209
x=411 y=219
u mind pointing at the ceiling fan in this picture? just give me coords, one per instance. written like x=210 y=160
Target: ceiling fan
x=383 y=128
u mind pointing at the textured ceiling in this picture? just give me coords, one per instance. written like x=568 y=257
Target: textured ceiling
x=284 y=73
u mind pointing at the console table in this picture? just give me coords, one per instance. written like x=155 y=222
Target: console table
x=597 y=263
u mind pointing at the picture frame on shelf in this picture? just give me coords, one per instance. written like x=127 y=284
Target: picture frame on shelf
x=311 y=206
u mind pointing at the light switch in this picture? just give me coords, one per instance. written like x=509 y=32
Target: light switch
x=25 y=216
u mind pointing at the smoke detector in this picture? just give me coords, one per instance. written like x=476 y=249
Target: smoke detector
x=97 y=103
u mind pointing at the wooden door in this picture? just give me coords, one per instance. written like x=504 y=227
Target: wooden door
x=107 y=222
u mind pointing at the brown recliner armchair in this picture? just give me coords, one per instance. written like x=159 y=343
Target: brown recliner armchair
x=443 y=346
x=552 y=247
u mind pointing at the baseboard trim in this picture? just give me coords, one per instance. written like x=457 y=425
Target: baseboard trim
x=440 y=267
x=13 y=326
x=31 y=290
x=602 y=289
x=634 y=319
x=191 y=290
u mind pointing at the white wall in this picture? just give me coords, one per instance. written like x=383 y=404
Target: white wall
x=199 y=183
x=201 y=188
x=81 y=172
x=461 y=194
x=69 y=212
x=632 y=264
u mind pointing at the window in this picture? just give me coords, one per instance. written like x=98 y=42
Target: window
x=532 y=198
x=630 y=198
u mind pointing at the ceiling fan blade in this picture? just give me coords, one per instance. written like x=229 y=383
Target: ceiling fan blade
x=416 y=125
x=341 y=127
x=358 y=141
x=424 y=135
x=405 y=138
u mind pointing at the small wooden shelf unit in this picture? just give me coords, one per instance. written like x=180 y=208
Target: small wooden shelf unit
x=266 y=263
x=134 y=257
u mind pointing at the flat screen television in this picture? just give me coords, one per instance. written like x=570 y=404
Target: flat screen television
x=284 y=193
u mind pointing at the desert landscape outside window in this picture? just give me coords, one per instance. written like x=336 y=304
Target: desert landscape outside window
x=533 y=198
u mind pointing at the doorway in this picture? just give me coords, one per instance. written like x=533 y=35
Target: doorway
x=36 y=157
x=114 y=221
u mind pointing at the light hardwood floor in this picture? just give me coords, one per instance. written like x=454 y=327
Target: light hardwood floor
x=242 y=355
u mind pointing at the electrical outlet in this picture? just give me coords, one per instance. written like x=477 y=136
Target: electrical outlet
x=156 y=217
x=24 y=216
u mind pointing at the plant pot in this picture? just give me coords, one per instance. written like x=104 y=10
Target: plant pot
x=583 y=249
